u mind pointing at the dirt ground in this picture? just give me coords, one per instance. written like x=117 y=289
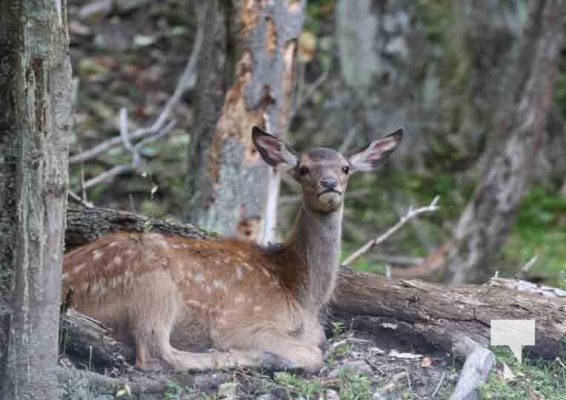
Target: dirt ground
x=358 y=365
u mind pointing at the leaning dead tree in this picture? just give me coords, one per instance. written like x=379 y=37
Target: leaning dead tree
x=227 y=182
x=35 y=120
x=521 y=122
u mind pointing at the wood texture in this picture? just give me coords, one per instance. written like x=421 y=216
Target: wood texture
x=228 y=181
x=34 y=185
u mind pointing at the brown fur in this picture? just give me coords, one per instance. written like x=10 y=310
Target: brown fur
x=172 y=297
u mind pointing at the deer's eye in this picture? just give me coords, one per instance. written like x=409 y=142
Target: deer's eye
x=345 y=169
x=303 y=171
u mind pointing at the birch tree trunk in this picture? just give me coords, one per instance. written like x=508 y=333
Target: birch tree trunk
x=35 y=99
x=228 y=182
x=490 y=214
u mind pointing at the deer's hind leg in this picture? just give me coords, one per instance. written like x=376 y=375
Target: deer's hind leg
x=152 y=312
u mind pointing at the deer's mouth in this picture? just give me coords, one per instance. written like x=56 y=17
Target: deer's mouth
x=329 y=200
x=333 y=191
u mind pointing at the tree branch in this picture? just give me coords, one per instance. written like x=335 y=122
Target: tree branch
x=411 y=213
x=186 y=81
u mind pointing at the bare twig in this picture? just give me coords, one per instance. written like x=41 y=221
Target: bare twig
x=422 y=236
x=308 y=94
x=186 y=81
x=397 y=260
x=125 y=136
x=523 y=271
x=412 y=213
x=348 y=139
x=432 y=396
x=75 y=197
x=107 y=176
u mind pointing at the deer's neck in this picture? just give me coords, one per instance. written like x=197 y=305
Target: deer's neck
x=316 y=239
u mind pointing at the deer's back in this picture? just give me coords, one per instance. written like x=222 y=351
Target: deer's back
x=217 y=283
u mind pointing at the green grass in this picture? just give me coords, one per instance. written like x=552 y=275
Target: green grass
x=538 y=379
x=540 y=231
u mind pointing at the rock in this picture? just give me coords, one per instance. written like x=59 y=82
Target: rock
x=332 y=395
x=267 y=396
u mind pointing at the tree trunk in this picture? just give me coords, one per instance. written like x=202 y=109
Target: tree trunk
x=229 y=191
x=412 y=310
x=212 y=80
x=489 y=216
x=35 y=96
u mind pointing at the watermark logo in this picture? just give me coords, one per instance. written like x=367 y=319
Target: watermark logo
x=514 y=333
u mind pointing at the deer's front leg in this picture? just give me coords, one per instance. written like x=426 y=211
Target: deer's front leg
x=267 y=339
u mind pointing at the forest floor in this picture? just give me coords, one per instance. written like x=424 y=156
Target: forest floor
x=358 y=366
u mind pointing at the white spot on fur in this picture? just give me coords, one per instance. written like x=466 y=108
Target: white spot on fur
x=118 y=260
x=65 y=276
x=97 y=255
x=239 y=273
x=239 y=299
x=199 y=278
x=258 y=308
x=79 y=268
x=113 y=244
x=218 y=284
x=194 y=303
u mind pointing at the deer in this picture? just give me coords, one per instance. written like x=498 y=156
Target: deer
x=202 y=304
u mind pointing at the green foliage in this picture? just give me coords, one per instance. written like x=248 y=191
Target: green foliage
x=541 y=231
x=436 y=17
x=337 y=328
x=309 y=389
x=177 y=392
x=354 y=386
x=538 y=379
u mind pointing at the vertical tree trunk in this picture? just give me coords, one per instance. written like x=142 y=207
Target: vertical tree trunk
x=229 y=196
x=210 y=88
x=35 y=95
x=488 y=217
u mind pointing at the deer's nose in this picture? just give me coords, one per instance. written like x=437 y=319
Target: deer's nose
x=328 y=183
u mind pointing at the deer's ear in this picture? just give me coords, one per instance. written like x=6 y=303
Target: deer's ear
x=273 y=150
x=376 y=153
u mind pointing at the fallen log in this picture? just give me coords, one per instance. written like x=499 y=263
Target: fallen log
x=441 y=315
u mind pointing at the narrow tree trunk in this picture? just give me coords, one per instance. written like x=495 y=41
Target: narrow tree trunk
x=210 y=88
x=229 y=194
x=35 y=95
x=490 y=214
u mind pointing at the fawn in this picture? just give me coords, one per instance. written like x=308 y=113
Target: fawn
x=173 y=297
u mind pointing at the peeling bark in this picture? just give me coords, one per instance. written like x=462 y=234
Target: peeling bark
x=35 y=95
x=229 y=194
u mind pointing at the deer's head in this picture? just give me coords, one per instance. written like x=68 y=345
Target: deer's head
x=323 y=173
